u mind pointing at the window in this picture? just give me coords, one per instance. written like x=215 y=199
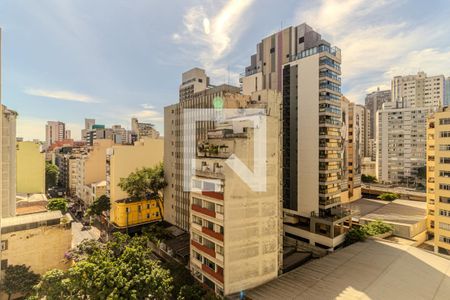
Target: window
x=208 y=244
x=445 y=134
x=197 y=220
x=209 y=225
x=272 y=50
x=196 y=201
x=444 y=160
x=444 y=121
x=4 y=246
x=148 y=216
x=4 y=264
x=127 y=209
x=301 y=40
x=444 y=226
x=210 y=264
x=139 y=208
x=197 y=256
x=445 y=147
x=445 y=187
x=444 y=173
x=444 y=239
x=444 y=199
x=445 y=213
x=148 y=205
x=197 y=238
x=219 y=249
x=209 y=205
x=219 y=209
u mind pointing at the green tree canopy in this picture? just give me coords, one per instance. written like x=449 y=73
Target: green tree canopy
x=51 y=175
x=145 y=182
x=368 y=178
x=388 y=196
x=18 y=279
x=99 y=205
x=124 y=268
x=57 y=204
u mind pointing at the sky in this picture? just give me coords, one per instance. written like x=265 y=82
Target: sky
x=116 y=59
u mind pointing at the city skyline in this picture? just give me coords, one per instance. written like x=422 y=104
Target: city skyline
x=68 y=55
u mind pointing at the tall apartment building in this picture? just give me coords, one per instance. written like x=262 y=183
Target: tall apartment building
x=119 y=134
x=68 y=134
x=438 y=180
x=195 y=92
x=8 y=145
x=121 y=160
x=401 y=142
x=373 y=102
x=447 y=91
x=419 y=90
x=298 y=62
x=142 y=130
x=352 y=134
x=236 y=232
x=54 y=131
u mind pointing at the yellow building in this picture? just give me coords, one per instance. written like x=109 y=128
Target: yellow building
x=120 y=162
x=438 y=180
x=30 y=168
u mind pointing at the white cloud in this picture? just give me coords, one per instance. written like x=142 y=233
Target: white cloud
x=61 y=95
x=374 y=48
x=213 y=34
x=148 y=115
x=147 y=106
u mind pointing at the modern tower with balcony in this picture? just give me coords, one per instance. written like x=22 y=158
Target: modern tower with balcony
x=306 y=69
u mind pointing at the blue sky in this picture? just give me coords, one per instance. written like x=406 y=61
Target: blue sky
x=114 y=59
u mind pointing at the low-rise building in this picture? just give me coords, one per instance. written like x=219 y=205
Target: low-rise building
x=30 y=177
x=121 y=161
x=38 y=240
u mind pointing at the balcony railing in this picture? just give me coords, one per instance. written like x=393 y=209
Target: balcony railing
x=211 y=272
x=215 y=195
x=210 y=174
x=212 y=233
x=203 y=210
x=203 y=248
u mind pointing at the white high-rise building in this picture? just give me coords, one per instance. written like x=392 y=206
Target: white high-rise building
x=419 y=90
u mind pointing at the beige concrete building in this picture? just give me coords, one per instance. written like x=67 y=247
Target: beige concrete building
x=30 y=168
x=54 y=131
x=141 y=130
x=8 y=145
x=236 y=232
x=298 y=62
x=352 y=145
x=121 y=160
x=195 y=93
x=91 y=168
x=419 y=90
x=368 y=166
x=438 y=180
x=38 y=240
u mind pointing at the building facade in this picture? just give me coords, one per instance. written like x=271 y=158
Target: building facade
x=419 y=90
x=195 y=93
x=141 y=130
x=306 y=69
x=236 y=232
x=54 y=131
x=30 y=168
x=438 y=180
x=401 y=142
x=373 y=102
x=121 y=161
x=8 y=140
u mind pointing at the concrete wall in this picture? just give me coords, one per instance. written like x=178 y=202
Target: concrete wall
x=30 y=168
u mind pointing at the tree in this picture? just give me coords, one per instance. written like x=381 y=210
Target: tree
x=54 y=285
x=356 y=234
x=388 y=196
x=190 y=292
x=377 y=227
x=123 y=268
x=99 y=205
x=57 y=204
x=51 y=175
x=145 y=182
x=18 y=279
x=368 y=178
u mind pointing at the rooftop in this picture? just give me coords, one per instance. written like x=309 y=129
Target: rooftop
x=375 y=269
x=31 y=218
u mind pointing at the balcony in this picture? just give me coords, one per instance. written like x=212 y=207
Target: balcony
x=217 y=275
x=215 y=195
x=210 y=174
x=203 y=210
x=203 y=248
x=212 y=233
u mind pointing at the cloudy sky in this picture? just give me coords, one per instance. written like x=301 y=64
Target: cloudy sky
x=114 y=59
